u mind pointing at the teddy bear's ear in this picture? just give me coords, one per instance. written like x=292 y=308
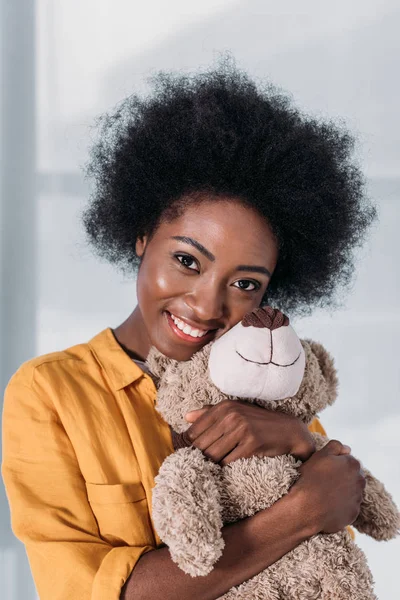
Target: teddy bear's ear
x=327 y=370
x=157 y=362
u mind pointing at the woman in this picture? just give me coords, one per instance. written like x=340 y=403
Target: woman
x=225 y=197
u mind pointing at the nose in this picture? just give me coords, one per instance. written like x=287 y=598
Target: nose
x=207 y=303
x=266 y=316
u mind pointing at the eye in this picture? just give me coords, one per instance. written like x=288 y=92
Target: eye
x=186 y=260
x=247 y=285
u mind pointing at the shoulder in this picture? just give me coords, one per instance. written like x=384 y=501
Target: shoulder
x=46 y=377
x=50 y=364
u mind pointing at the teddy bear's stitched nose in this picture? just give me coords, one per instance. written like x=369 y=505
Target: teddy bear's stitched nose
x=269 y=317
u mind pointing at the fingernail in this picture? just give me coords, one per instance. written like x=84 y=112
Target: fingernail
x=346 y=448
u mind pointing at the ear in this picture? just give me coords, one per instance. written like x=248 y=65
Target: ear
x=140 y=246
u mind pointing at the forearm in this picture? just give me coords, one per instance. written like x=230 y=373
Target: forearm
x=251 y=545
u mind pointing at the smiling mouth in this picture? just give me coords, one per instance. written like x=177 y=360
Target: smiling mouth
x=187 y=333
x=268 y=363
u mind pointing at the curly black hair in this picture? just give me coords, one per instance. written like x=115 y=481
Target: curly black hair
x=217 y=132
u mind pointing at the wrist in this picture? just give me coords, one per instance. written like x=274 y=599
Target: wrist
x=303 y=512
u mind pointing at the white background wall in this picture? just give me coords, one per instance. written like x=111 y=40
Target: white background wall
x=337 y=59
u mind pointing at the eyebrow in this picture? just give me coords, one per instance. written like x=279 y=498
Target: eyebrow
x=254 y=269
x=210 y=256
x=195 y=244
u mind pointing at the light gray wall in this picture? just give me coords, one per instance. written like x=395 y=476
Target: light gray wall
x=337 y=59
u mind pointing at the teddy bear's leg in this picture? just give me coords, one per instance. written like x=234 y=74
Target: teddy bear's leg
x=379 y=516
x=327 y=567
x=187 y=511
x=293 y=577
x=343 y=568
x=340 y=586
x=298 y=575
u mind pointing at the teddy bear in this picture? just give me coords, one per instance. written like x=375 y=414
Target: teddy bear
x=260 y=360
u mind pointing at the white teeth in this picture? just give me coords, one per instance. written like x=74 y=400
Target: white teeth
x=202 y=333
x=187 y=329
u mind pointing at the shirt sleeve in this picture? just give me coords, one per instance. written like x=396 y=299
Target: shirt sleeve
x=50 y=511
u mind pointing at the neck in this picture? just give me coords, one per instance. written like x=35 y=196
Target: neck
x=132 y=336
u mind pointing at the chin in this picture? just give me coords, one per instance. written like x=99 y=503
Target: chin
x=178 y=353
x=166 y=348
x=181 y=354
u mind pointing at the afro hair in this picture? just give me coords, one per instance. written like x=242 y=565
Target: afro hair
x=218 y=133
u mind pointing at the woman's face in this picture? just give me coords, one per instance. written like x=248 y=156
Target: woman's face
x=201 y=273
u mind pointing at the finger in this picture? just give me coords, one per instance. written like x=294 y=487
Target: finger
x=332 y=447
x=214 y=448
x=223 y=447
x=345 y=449
x=304 y=450
x=202 y=424
x=206 y=439
x=193 y=415
x=235 y=454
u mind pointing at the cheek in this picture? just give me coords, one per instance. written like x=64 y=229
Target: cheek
x=157 y=282
x=160 y=283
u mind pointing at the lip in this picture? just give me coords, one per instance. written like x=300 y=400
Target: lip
x=185 y=336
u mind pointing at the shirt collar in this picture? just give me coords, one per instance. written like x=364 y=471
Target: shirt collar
x=120 y=368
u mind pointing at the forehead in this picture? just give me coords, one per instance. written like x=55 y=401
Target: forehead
x=225 y=228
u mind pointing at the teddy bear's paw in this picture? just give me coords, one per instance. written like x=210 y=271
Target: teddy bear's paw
x=197 y=557
x=379 y=516
x=187 y=510
x=253 y=484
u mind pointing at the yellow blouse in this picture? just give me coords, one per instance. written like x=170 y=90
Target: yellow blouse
x=82 y=443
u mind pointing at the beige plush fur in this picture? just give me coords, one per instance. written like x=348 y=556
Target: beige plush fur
x=194 y=497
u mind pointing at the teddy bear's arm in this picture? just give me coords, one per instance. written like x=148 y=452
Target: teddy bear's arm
x=187 y=510
x=379 y=516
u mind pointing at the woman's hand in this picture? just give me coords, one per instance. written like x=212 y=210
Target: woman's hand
x=234 y=429
x=330 y=488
